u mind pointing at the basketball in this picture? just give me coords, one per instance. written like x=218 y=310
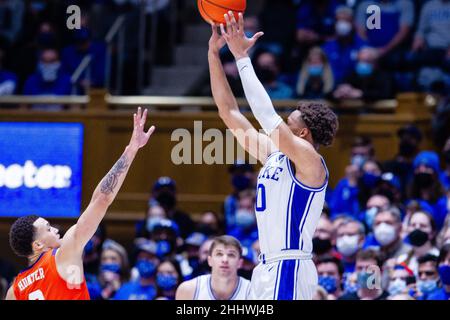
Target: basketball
x=213 y=10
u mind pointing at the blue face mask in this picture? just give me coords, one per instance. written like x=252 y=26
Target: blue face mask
x=315 y=70
x=328 y=283
x=364 y=68
x=112 y=267
x=396 y=287
x=370 y=180
x=363 y=279
x=245 y=219
x=49 y=71
x=163 y=248
x=426 y=286
x=166 y=281
x=350 y=287
x=444 y=273
x=146 y=268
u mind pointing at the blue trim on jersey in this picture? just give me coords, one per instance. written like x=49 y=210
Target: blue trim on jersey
x=286 y=290
x=306 y=217
x=196 y=288
x=271 y=155
x=34 y=263
x=54 y=251
x=299 y=204
x=296 y=279
x=288 y=162
x=236 y=290
x=288 y=215
x=276 y=282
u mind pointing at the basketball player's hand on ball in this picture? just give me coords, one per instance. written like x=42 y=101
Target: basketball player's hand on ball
x=216 y=42
x=139 y=137
x=234 y=36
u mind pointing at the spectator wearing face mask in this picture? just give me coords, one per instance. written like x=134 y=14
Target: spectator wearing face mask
x=242 y=178
x=49 y=79
x=245 y=229
x=324 y=239
x=402 y=164
x=8 y=80
x=375 y=203
x=387 y=226
x=368 y=181
x=154 y=213
x=142 y=286
x=83 y=46
x=209 y=224
x=192 y=246
x=114 y=270
x=444 y=275
x=368 y=278
x=445 y=175
x=367 y=81
x=428 y=277
x=267 y=68
x=315 y=79
x=164 y=193
x=401 y=281
x=343 y=51
x=345 y=197
x=168 y=278
x=421 y=232
x=426 y=188
x=350 y=238
x=330 y=271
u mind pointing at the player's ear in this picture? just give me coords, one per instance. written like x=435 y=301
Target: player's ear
x=304 y=132
x=37 y=246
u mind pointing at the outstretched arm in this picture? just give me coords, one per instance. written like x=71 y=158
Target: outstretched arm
x=104 y=194
x=298 y=150
x=255 y=143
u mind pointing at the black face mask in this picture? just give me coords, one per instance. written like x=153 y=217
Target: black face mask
x=418 y=238
x=193 y=262
x=407 y=149
x=320 y=246
x=247 y=274
x=206 y=229
x=266 y=75
x=425 y=180
x=166 y=200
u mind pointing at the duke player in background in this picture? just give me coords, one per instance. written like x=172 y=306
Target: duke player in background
x=224 y=258
x=56 y=266
x=292 y=183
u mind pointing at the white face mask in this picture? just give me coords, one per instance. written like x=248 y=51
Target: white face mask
x=397 y=286
x=343 y=28
x=348 y=245
x=384 y=233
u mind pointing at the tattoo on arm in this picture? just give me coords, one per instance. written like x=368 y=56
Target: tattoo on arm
x=112 y=178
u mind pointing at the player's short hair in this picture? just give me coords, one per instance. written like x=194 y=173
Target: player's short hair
x=369 y=254
x=226 y=241
x=427 y=258
x=22 y=235
x=320 y=120
x=331 y=259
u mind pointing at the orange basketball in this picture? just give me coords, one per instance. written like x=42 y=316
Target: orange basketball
x=213 y=10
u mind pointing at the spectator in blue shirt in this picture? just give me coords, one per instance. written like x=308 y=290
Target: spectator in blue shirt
x=342 y=52
x=168 y=278
x=315 y=21
x=8 y=80
x=267 y=68
x=396 y=21
x=428 y=277
x=49 y=79
x=425 y=186
x=73 y=55
x=444 y=274
x=143 y=287
x=245 y=229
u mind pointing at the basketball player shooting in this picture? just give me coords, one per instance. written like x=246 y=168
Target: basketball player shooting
x=292 y=182
x=56 y=266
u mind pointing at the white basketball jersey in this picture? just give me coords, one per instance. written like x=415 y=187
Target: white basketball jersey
x=287 y=211
x=203 y=290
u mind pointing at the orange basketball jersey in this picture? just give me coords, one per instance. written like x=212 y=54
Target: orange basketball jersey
x=41 y=281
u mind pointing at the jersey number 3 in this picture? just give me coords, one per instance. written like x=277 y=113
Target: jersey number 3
x=260 y=198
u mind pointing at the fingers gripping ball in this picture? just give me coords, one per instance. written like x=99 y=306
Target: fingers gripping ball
x=213 y=10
